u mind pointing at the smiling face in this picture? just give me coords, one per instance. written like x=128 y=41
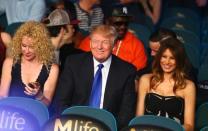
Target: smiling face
x=101 y=47
x=28 y=52
x=167 y=61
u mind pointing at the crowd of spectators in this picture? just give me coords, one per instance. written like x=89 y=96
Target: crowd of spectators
x=74 y=36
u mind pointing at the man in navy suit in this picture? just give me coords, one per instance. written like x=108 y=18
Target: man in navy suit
x=118 y=88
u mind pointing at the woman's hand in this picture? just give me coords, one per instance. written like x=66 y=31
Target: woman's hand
x=32 y=89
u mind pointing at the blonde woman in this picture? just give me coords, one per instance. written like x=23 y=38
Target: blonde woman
x=30 y=71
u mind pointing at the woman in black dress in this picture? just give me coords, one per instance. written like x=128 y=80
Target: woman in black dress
x=167 y=91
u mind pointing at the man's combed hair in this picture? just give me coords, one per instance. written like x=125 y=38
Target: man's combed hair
x=41 y=42
x=106 y=30
x=179 y=75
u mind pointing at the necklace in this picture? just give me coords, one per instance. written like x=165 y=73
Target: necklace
x=117 y=47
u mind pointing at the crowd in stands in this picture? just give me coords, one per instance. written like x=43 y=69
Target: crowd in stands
x=129 y=57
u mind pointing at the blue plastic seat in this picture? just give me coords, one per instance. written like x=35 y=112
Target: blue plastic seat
x=12 y=28
x=204 y=53
x=191 y=44
x=36 y=108
x=142 y=32
x=3 y=21
x=204 y=128
x=181 y=12
x=202 y=116
x=98 y=114
x=182 y=24
x=157 y=121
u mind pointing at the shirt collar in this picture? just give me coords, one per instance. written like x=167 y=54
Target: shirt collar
x=105 y=63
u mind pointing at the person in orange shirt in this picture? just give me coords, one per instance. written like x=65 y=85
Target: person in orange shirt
x=127 y=46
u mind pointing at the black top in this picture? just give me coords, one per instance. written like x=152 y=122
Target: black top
x=167 y=106
x=17 y=86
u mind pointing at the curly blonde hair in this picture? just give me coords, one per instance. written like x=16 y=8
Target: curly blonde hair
x=41 y=42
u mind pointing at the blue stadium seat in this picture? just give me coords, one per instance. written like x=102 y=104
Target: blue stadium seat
x=204 y=53
x=191 y=44
x=181 y=12
x=156 y=121
x=202 y=116
x=204 y=30
x=182 y=24
x=3 y=21
x=203 y=73
x=142 y=32
x=98 y=114
x=12 y=28
x=204 y=128
x=36 y=108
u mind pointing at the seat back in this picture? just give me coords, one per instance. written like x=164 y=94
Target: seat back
x=72 y=122
x=98 y=114
x=181 y=12
x=182 y=24
x=3 y=21
x=12 y=28
x=202 y=116
x=142 y=32
x=17 y=119
x=36 y=108
x=157 y=121
x=204 y=128
x=191 y=44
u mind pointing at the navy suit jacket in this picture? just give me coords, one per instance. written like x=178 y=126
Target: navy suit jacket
x=74 y=86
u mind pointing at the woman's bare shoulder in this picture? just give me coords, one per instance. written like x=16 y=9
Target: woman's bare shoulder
x=146 y=77
x=55 y=68
x=190 y=87
x=8 y=61
x=144 y=82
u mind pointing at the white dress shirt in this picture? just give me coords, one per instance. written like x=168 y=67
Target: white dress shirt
x=105 y=71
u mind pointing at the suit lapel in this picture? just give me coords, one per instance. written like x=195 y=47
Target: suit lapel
x=88 y=72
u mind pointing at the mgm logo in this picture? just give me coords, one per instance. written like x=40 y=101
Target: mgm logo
x=75 y=123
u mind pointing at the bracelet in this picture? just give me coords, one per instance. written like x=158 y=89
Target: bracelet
x=40 y=97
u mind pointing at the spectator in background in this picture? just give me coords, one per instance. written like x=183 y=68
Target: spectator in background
x=62 y=30
x=201 y=3
x=30 y=71
x=117 y=94
x=89 y=14
x=155 y=41
x=152 y=8
x=22 y=10
x=154 y=45
x=167 y=91
x=137 y=8
x=70 y=9
x=127 y=46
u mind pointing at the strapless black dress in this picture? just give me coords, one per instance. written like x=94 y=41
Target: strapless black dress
x=167 y=106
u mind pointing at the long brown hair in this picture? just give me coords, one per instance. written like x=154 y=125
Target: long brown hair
x=179 y=75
